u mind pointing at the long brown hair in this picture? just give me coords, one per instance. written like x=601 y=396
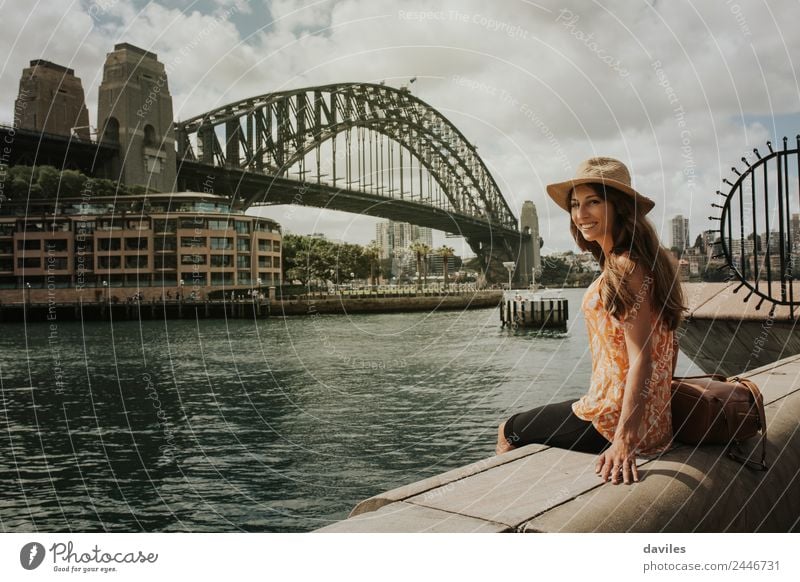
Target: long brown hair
x=636 y=235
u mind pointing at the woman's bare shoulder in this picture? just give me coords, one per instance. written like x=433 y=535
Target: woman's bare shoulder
x=635 y=273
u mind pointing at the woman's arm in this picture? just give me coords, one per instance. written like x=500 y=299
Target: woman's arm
x=619 y=460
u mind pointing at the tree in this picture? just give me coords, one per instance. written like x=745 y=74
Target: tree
x=49 y=179
x=421 y=250
x=555 y=271
x=445 y=252
x=373 y=253
x=72 y=183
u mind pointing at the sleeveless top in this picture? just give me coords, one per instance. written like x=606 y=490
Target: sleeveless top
x=602 y=405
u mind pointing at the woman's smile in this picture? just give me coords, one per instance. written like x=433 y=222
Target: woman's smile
x=592 y=214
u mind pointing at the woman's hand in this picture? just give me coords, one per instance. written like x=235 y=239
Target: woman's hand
x=618 y=462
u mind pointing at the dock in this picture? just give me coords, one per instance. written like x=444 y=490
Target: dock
x=535 y=313
x=543 y=489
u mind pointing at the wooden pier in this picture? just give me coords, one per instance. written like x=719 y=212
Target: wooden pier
x=536 y=313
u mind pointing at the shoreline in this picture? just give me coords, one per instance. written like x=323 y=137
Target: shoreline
x=50 y=312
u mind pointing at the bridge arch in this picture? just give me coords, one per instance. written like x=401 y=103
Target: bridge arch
x=275 y=132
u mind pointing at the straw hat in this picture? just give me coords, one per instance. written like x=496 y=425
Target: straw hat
x=600 y=170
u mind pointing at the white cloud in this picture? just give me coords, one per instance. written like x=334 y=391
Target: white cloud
x=578 y=78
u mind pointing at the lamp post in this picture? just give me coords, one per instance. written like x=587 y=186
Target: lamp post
x=28 y=288
x=106 y=294
x=510 y=266
x=182 y=283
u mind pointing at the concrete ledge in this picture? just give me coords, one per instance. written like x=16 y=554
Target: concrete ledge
x=543 y=489
x=752 y=337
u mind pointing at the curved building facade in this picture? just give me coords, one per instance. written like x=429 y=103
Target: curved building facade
x=160 y=245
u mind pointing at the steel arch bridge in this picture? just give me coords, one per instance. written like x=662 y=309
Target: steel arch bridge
x=356 y=147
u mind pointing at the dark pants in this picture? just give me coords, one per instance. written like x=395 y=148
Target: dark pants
x=554 y=425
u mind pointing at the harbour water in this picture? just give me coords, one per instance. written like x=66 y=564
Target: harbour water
x=272 y=425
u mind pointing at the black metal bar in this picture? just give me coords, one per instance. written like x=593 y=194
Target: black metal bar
x=756 y=270
x=741 y=233
x=787 y=266
x=730 y=229
x=780 y=226
x=766 y=216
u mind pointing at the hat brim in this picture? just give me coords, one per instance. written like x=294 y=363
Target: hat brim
x=559 y=192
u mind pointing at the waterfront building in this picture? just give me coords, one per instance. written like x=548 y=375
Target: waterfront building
x=181 y=242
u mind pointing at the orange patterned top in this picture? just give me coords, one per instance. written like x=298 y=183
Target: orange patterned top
x=602 y=405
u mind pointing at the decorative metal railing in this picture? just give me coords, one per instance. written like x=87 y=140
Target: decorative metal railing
x=759 y=226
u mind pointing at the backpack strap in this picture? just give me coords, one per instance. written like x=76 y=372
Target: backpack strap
x=762 y=420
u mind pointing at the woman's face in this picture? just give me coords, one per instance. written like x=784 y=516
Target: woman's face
x=592 y=214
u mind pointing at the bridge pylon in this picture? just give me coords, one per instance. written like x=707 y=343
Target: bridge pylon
x=135 y=111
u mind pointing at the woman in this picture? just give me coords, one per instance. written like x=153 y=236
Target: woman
x=632 y=311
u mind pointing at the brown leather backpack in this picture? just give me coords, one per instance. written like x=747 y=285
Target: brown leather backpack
x=716 y=410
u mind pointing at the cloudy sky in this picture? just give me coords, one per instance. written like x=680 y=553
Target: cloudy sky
x=680 y=90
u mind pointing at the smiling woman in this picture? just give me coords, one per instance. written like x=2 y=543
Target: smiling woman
x=631 y=312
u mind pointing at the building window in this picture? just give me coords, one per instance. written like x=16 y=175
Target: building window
x=135 y=244
x=6 y=247
x=242 y=226
x=276 y=246
x=264 y=262
x=108 y=244
x=222 y=279
x=166 y=261
x=244 y=277
x=195 y=279
x=193 y=259
x=29 y=263
x=165 y=244
x=265 y=246
x=111 y=130
x=217 y=224
x=29 y=245
x=243 y=244
x=149 y=136
x=243 y=261
x=57 y=263
x=83 y=262
x=193 y=241
x=193 y=223
x=164 y=225
x=136 y=262
x=138 y=224
x=7 y=229
x=7 y=264
x=221 y=260
x=108 y=224
x=106 y=262
x=221 y=243
x=58 y=245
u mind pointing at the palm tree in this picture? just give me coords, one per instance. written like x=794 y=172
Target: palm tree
x=421 y=250
x=445 y=252
x=373 y=252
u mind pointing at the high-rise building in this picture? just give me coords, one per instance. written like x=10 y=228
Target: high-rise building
x=395 y=237
x=680 y=233
x=795 y=233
